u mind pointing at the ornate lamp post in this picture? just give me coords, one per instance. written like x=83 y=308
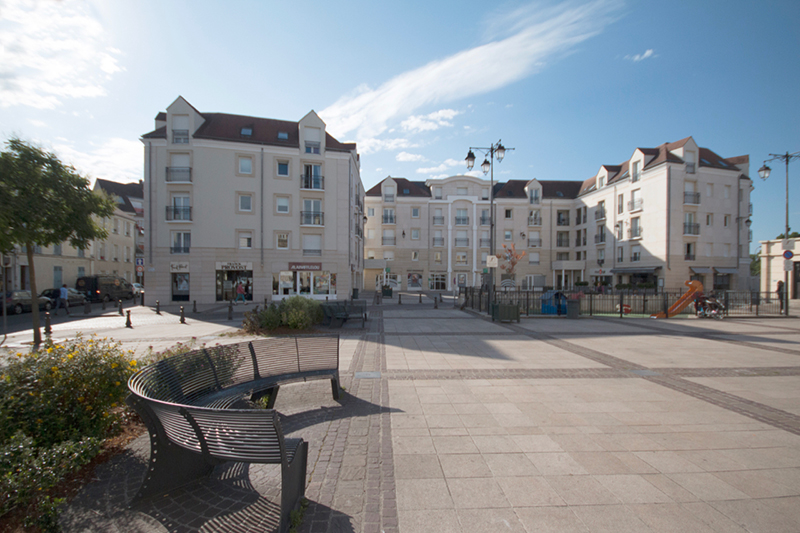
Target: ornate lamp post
x=499 y=151
x=763 y=172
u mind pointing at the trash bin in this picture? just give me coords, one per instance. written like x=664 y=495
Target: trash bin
x=573 y=308
x=355 y=294
x=505 y=312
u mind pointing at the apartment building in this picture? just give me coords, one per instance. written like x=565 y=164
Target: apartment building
x=666 y=215
x=126 y=235
x=774 y=265
x=272 y=204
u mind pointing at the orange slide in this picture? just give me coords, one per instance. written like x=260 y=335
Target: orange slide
x=694 y=287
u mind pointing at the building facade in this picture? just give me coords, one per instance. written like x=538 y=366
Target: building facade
x=274 y=205
x=664 y=216
x=773 y=265
x=129 y=199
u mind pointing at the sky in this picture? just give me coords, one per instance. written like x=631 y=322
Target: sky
x=568 y=85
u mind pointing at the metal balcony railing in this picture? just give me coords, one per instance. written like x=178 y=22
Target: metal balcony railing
x=691 y=229
x=462 y=221
x=534 y=243
x=389 y=219
x=636 y=257
x=312 y=182
x=635 y=232
x=600 y=214
x=180 y=136
x=312 y=218
x=534 y=221
x=485 y=243
x=312 y=252
x=692 y=198
x=486 y=220
x=600 y=238
x=690 y=168
x=179 y=213
x=388 y=197
x=635 y=205
x=179 y=250
x=179 y=174
x=438 y=241
x=438 y=220
x=688 y=257
x=562 y=221
x=535 y=200
x=562 y=243
x=388 y=241
x=462 y=242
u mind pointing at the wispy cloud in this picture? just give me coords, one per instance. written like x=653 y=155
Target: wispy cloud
x=449 y=163
x=116 y=159
x=524 y=40
x=431 y=121
x=368 y=146
x=639 y=57
x=405 y=157
x=50 y=51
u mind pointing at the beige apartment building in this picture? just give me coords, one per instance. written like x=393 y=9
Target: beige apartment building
x=774 y=265
x=664 y=216
x=270 y=204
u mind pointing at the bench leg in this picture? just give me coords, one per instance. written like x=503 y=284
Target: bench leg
x=293 y=484
x=335 y=388
x=273 y=395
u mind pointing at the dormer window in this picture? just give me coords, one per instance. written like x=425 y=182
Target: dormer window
x=283 y=136
x=312 y=140
x=636 y=174
x=247 y=131
x=180 y=129
x=601 y=181
x=534 y=193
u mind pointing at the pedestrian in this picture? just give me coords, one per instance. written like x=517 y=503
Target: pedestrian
x=779 y=292
x=63 y=299
x=240 y=293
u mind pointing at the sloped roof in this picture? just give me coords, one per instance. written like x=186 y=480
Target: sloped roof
x=158 y=133
x=710 y=159
x=557 y=189
x=123 y=191
x=406 y=188
x=510 y=189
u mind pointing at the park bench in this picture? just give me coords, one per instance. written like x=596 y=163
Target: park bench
x=195 y=406
x=340 y=312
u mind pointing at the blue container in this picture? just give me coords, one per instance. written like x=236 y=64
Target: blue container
x=554 y=303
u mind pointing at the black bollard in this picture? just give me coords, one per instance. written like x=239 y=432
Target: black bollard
x=420 y=297
x=128 y=320
x=158 y=307
x=399 y=299
x=194 y=306
x=435 y=303
x=47 y=328
x=87 y=307
x=104 y=304
x=142 y=298
x=230 y=310
x=183 y=317
x=120 y=308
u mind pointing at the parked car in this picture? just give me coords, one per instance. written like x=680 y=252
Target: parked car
x=74 y=297
x=104 y=287
x=137 y=288
x=20 y=302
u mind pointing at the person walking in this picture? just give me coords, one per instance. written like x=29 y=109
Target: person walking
x=240 y=293
x=779 y=292
x=63 y=299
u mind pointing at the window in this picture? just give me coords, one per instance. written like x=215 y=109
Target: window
x=370 y=254
x=437 y=257
x=245 y=165
x=709 y=189
x=81 y=271
x=600 y=182
x=562 y=239
x=509 y=214
x=370 y=211
x=388 y=255
x=245 y=240
x=388 y=193
x=485 y=193
x=283 y=169
x=281 y=204
x=621 y=203
x=710 y=219
x=562 y=256
x=618 y=228
x=81 y=253
x=283 y=136
x=247 y=131
x=461 y=191
x=533 y=258
x=461 y=238
x=534 y=196
x=726 y=221
x=620 y=254
x=727 y=191
x=181 y=242
x=601 y=256
x=116 y=225
x=415 y=212
x=636 y=174
x=726 y=250
x=689 y=251
x=562 y=218
x=437 y=193
x=312 y=212
x=415 y=234
x=708 y=249
x=461 y=258
x=180 y=129
x=461 y=217
x=370 y=233
x=246 y=202
x=312 y=245
x=388 y=238
x=508 y=235
x=636 y=254
x=690 y=162
x=312 y=177
x=56 y=249
x=636 y=228
x=388 y=215
x=414 y=255
x=127 y=228
x=313 y=139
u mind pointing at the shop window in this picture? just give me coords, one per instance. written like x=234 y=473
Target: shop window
x=180 y=287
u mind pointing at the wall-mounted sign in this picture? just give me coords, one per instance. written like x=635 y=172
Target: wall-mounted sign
x=179 y=266
x=313 y=267
x=234 y=265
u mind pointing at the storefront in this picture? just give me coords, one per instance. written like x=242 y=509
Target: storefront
x=229 y=275
x=414 y=280
x=304 y=279
x=437 y=281
x=637 y=276
x=179 y=274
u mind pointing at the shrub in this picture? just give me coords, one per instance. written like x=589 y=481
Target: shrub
x=296 y=312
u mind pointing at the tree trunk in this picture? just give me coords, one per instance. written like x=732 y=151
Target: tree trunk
x=37 y=334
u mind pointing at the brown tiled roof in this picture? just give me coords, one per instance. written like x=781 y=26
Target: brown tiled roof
x=123 y=191
x=739 y=160
x=557 y=189
x=588 y=185
x=159 y=133
x=414 y=188
x=712 y=160
x=511 y=189
x=161 y=117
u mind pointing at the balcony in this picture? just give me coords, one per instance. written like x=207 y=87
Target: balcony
x=636 y=257
x=389 y=219
x=691 y=229
x=438 y=241
x=690 y=168
x=314 y=183
x=176 y=250
x=600 y=214
x=312 y=253
x=562 y=221
x=179 y=174
x=534 y=221
x=688 y=257
x=534 y=243
x=750 y=209
x=635 y=232
x=600 y=238
x=462 y=221
x=562 y=243
x=312 y=218
x=388 y=241
x=691 y=198
x=462 y=242
x=179 y=213
x=485 y=243
x=438 y=220
x=486 y=220
x=635 y=205
x=535 y=200
x=388 y=197
x=180 y=136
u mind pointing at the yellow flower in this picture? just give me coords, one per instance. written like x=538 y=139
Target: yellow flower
x=70 y=356
x=114 y=365
x=80 y=398
x=116 y=383
x=38 y=420
x=133 y=362
x=54 y=369
x=50 y=349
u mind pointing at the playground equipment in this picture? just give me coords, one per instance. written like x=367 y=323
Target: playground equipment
x=695 y=287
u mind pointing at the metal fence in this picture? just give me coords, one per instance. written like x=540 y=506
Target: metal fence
x=617 y=303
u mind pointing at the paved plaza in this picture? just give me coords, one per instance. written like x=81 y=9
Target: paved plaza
x=452 y=423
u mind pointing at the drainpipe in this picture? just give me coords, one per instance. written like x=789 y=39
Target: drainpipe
x=669 y=219
x=262 y=210
x=149 y=200
x=350 y=236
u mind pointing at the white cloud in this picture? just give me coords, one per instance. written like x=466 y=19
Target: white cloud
x=117 y=159
x=430 y=122
x=37 y=123
x=50 y=51
x=368 y=146
x=405 y=156
x=449 y=163
x=639 y=57
x=537 y=36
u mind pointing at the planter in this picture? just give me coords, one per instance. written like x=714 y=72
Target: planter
x=505 y=312
x=386 y=292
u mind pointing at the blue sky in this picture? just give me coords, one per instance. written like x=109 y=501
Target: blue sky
x=569 y=85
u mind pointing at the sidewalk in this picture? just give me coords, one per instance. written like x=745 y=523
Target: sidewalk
x=453 y=423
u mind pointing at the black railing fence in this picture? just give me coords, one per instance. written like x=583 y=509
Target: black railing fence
x=625 y=303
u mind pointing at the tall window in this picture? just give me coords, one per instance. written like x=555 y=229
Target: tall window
x=312 y=140
x=636 y=173
x=181 y=242
x=312 y=177
x=245 y=165
x=312 y=212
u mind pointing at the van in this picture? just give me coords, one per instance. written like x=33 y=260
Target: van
x=104 y=288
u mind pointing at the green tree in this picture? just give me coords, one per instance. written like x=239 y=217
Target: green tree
x=45 y=202
x=792 y=235
x=755 y=264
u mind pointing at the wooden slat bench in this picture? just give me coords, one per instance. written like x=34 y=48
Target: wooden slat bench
x=193 y=404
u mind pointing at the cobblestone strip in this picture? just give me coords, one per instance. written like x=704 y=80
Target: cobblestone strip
x=511 y=373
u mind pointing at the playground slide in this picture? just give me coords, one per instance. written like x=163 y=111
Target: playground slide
x=694 y=287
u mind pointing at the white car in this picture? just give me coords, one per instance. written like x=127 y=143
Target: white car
x=137 y=288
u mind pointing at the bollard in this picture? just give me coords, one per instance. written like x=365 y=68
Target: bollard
x=420 y=297
x=87 y=307
x=120 y=308
x=399 y=299
x=183 y=317
x=435 y=302
x=128 y=321
x=142 y=298
x=230 y=310
x=47 y=328
x=134 y=298
x=158 y=307
x=104 y=304
x=194 y=306
x=265 y=302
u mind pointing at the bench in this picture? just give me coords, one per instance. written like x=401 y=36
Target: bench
x=195 y=406
x=340 y=312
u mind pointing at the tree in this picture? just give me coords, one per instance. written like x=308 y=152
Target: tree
x=755 y=264
x=792 y=235
x=511 y=258
x=45 y=202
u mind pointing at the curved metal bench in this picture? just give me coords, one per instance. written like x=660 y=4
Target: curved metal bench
x=192 y=406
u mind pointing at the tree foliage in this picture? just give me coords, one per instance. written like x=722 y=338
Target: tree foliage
x=45 y=202
x=792 y=235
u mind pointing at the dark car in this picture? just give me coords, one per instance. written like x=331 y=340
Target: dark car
x=74 y=297
x=20 y=301
x=104 y=287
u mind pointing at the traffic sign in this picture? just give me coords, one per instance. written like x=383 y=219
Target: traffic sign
x=491 y=261
x=140 y=261
x=788 y=254
x=139 y=268
x=788 y=265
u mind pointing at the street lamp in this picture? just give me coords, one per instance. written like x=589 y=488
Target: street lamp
x=763 y=172
x=499 y=151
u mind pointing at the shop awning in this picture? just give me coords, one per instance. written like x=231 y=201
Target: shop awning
x=701 y=270
x=635 y=270
x=726 y=270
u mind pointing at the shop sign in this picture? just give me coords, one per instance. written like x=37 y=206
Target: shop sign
x=179 y=266
x=234 y=265
x=297 y=267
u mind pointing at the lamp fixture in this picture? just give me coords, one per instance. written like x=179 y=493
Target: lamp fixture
x=404 y=234
x=522 y=234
